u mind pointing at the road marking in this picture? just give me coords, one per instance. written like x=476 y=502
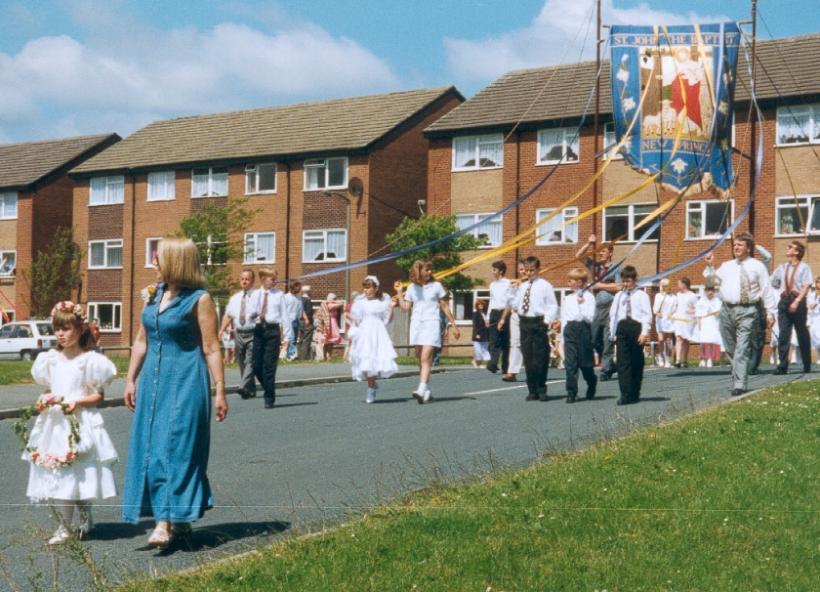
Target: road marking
x=507 y=388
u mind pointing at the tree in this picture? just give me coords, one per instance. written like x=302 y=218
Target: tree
x=54 y=273
x=444 y=255
x=218 y=231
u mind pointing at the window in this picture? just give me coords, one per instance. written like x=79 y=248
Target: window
x=108 y=315
x=611 y=140
x=8 y=205
x=105 y=254
x=260 y=178
x=620 y=222
x=151 y=247
x=324 y=245
x=558 y=145
x=107 y=190
x=161 y=186
x=260 y=247
x=793 y=213
x=326 y=173
x=463 y=304
x=553 y=232
x=209 y=182
x=488 y=233
x=478 y=152
x=7 y=331
x=708 y=219
x=8 y=263
x=799 y=124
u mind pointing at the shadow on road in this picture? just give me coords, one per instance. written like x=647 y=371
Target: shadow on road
x=294 y=405
x=211 y=537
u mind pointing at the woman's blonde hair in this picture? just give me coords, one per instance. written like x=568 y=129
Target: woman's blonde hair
x=178 y=260
x=415 y=270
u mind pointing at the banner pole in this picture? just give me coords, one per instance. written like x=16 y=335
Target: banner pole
x=596 y=118
x=753 y=134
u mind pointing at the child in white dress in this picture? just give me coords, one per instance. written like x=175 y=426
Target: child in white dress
x=707 y=311
x=813 y=300
x=68 y=448
x=684 y=316
x=371 y=352
x=664 y=325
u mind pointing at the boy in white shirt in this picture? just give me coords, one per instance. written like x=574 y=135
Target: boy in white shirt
x=577 y=311
x=630 y=318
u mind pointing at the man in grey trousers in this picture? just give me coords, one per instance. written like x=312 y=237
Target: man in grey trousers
x=237 y=318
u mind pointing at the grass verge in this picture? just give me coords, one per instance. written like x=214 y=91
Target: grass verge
x=724 y=500
x=19 y=371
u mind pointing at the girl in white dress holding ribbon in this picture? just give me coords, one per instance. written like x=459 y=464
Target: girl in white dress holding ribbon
x=371 y=352
x=69 y=450
x=664 y=325
x=684 y=316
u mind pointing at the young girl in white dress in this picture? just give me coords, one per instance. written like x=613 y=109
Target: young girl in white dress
x=813 y=301
x=371 y=352
x=684 y=315
x=707 y=311
x=664 y=325
x=425 y=298
x=68 y=448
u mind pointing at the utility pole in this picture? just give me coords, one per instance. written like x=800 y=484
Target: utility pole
x=753 y=153
x=595 y=120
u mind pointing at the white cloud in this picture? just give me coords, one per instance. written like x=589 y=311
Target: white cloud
x=124 y=76
x=555 y=36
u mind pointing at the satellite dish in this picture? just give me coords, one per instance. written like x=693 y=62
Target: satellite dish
x=356 y=187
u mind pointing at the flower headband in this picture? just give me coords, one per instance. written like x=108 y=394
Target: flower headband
x=69 y=307
x=372 y=279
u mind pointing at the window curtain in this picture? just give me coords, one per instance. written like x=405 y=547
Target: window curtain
x=336 y=244
x=465 y=152
x=313 y=246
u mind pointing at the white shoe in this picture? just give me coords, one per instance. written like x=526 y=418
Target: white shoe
x=668 y=364
x=371 y=395
x=659 y=361
x=418 y=394
x=702 y=364
x=709 y=363
x=60 y=536
x=427 y=396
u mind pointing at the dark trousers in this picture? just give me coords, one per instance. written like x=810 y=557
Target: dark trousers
x=243 y=346
x=601 y=340
x=578 y=354
x=305 y=344
x=785 y=321
x=630 y=359
x=499 y=342
x=266 y=343
x=758 y=339
x=535 y=349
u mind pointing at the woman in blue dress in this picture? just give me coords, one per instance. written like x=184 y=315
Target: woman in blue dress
x=176 y=346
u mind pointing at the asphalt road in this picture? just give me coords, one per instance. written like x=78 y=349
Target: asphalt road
x=323 y=454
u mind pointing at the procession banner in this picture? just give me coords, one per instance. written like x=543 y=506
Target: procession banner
x=687 y=74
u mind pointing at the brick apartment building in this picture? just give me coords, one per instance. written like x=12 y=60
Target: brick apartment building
x=330 y=179
x=35 y=200
x=480 y=160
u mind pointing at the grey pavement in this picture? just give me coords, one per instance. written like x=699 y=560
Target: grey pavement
x=322 y=455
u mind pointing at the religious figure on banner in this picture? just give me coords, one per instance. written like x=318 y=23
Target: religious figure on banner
x=677 y=85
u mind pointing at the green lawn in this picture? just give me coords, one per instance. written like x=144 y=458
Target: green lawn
x=19 y=371
x=724 y=500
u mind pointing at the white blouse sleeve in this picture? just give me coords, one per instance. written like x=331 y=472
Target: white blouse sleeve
x=41 y=370
x=99 y=371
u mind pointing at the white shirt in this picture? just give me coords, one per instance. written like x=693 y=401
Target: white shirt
x=728 y=278
x=664 y=304
x=542 y=300
x=277 y=311
x=501 y=294
x=638 y=301
x=234 y=310
x=572 y=310
x=293 y=305
x=425 y=300
x=800 y=277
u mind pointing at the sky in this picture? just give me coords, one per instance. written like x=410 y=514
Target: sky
x=74 y=67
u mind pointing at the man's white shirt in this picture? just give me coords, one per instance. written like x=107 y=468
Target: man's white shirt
x=234 y=310
x=636 y=302
x=542 y=302
x=572 y=310
x=276 y=310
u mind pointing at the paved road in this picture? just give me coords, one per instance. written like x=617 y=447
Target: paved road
x=322 y=453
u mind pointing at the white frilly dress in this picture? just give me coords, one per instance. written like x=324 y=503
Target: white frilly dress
x=89 y=476
x=684 y=315
x=708 y=323
x=814 y=317
x=371 y=351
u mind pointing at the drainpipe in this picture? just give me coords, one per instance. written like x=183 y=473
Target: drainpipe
x=131 y=267
x=517 y=195
x=287 y=224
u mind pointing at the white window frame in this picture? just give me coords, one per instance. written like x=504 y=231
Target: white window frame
x=108 y=244
x=631 y=213
x=168 y=182
x=149 y=264
x=6 y=198
x=324 y=232
x=254 y=168
x=94 y=313
x=567 y=135
x=812 y=110
x=479 y=141
x=255 y=235
x=324 y=162
x=609 y=132
x=109 y=197
x=210 y=192
x=478 y=294
x=808 y=201
x=475 y=232
x=566 y=214
x=3 y=253
x=702 y=205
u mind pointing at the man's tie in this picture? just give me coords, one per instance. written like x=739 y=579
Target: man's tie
x=242 y=308
x=265 y=306
x=525 y=305
x=628 y=304
x=745 y=285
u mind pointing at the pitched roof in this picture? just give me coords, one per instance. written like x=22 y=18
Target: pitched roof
x=562 y=92
x=305 y=128
x=22 y=165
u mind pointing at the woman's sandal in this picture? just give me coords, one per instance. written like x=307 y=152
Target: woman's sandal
x=160 y=537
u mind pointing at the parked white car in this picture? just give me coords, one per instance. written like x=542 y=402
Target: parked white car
x=25 y=339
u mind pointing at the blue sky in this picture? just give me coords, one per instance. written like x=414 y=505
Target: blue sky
x=71 y=67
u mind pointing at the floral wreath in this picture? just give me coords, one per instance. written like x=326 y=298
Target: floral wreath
x=49 y=461
x=70 y=307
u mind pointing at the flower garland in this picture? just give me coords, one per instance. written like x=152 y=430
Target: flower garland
x=49 y=461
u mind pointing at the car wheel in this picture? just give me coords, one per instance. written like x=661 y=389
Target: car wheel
x=25 y=355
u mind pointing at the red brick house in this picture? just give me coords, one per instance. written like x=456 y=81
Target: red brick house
x=35 y=200
x=330 y=179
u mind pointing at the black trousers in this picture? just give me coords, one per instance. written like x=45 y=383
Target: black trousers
x=601 y=340
x=758 y=339
x=535 y=349
x=499 y=342
x=785 y=321
x=630 y=359
x=578 y=354
x=267 y=340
